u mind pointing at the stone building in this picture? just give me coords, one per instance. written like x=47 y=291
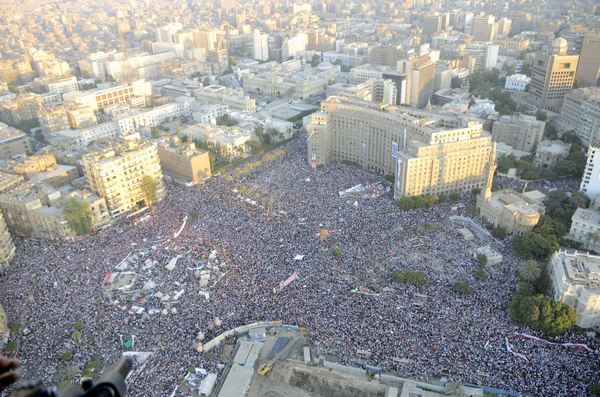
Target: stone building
x=427 y=152
x=575 y=281
x=520 y=131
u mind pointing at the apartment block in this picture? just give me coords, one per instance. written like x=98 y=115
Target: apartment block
x=580 y=113
x=13 y=142
x=183 y=161
x=233 y=98
x=115 y=170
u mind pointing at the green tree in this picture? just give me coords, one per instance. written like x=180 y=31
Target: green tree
x=530 y=271
x=499 y=232
x=406 y=203
x=542 y=313
x=411 y=277
x=315 y=60
x=79 y=216
x=534 y=245
x=462 y=287
x=156 y=132
x=150 y=189
x=482 y=259
x=541 y=115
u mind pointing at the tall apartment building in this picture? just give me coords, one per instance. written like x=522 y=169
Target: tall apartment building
x=520 y=131
x=504 y=26
x=261 y=46
x=588 y=69
x=552 y=77
x=62 y=85
x=432 y=24
x=590 y=182
x=428 y=153
x=420 y=73
x=485 y=55
x=115 y=172
x=484 y=28
x=581 y=113
x=574 y=281
x=53 y=119
x=386 y=55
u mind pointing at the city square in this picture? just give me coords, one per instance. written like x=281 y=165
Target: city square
x=253 y=230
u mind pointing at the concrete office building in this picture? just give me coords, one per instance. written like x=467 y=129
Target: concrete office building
x=115 y=172
x=520 y=131
x=581 y=113
x=484 y=28
x=420 y=76
x=428 y=153
x=484 y=54
x=552 y=76
x=183 y=161
x=574 y=279
x=99 y=98
x=261 y=46
x=588 y=69
x=13 y=142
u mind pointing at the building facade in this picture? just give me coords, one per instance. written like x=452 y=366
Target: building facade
x=581 y=114
x=428 y=153
x=520 y=131
x=116 y=170
x=588 y=69
x=7 y=247
x=575 y=281
x=13 y=142
x=590 y=182
x=184 y=162
x=552 y=76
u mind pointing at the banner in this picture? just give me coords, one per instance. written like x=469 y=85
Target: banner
x=286 y=282
x=394 y=150
x=547 y=342
x=514 y=353
x=181 y=228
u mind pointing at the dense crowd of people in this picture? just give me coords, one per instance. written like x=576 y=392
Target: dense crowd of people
x=419 y=332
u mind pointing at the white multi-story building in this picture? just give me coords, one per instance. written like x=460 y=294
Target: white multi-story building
x=62 y=85
x=485 y=54
x=575 y=281
x=590 y=182
x=585 y=228
x=261 y=46
x=294 y=46
x=206 y=113
x=101 y=97
x=143 y=120
x=517 y=82
x=226 y=96
x=80 y=139
x=230 y=142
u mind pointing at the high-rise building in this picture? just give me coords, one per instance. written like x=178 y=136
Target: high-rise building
x=484 y=28
x=428 y=153
x=588 y=69
x=552 y=76
x=116 y=172
x=261 y=46
x=13 y=142
x=590 y=182
x=581 y=113
x=420 y=73
x=504 y=26
x=432 y=24
x=484 y=54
